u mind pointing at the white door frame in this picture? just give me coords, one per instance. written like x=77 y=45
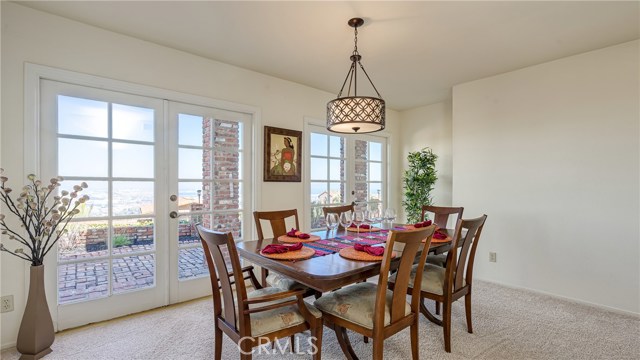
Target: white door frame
x=32 y=140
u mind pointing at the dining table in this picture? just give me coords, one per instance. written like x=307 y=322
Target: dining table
x=327 y=270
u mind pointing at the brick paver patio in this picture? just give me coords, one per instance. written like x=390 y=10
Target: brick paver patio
x=89 y=280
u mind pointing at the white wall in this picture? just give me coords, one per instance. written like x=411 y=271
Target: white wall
x=551 y=154
x=429 y=126
x=33 y=36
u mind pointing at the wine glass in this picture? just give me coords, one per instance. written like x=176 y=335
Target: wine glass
x=390 y=215
x=375 y=217
x=345 y=219
x=332 y=222
x=357 y=217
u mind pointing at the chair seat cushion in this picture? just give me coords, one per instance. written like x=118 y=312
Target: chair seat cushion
x=432 y=278
x=356 y=304
x=283 y=282
x=276 y=319
x=440 y=260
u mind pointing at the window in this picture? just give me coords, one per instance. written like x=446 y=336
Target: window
x=344 y=170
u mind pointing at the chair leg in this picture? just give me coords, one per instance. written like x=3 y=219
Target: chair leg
x=264 y=273
x=414 y=340
x=246 y=353
x=428 y=315
x=293 y=339
x=345 y=344
x=446 y=325
x=366 y=340
x=218 y=344
x=437 y=308
x=378 y=348
x=467 y=308
x=316 y=340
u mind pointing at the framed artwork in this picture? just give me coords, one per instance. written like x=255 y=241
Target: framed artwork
x=282 y=154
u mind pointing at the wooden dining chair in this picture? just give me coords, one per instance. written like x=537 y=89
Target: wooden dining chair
x=448 y=284
x=258 y=317
x=373 y=310
x=338 y=210
x=277 y=220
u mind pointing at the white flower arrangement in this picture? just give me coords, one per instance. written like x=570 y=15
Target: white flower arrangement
x=43 y=214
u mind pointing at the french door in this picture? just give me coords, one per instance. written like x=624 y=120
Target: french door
x=345 y=169
x=154 y=169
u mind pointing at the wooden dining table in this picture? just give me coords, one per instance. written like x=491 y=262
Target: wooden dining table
x=323 y=273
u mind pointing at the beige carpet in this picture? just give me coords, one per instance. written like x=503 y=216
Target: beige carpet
x=508 y=324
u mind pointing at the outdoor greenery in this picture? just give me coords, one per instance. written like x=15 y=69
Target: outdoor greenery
x=121 y=240
x=418 y=182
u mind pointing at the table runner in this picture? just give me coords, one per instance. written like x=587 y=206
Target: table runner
x=333 y=245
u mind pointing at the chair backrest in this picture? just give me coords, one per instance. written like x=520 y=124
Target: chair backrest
x=215 y=245
x=412 y=241
x=459 y=266
x=338 y=210
x=441 y=214
x=277 y=221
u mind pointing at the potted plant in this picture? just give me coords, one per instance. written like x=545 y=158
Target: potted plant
x=418 y=182
x=43 y=213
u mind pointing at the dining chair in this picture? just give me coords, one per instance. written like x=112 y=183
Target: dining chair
x=441 y=219
x=373 y=310
x=448 y=284
x=338 y=210
x=258 y=317
x=277 y=220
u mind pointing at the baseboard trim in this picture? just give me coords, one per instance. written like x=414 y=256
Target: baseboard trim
x=565 y=298
x=7 y=345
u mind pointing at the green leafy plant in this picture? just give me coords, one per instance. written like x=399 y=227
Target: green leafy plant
x=121 y=240
x=418 y=182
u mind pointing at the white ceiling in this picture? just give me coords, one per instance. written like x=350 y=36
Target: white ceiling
x=413 y=51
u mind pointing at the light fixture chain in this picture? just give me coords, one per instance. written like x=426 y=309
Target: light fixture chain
x=355 y=41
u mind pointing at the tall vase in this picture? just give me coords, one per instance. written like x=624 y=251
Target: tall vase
x=36 y=330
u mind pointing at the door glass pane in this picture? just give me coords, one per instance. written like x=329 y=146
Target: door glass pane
x=133 y=198
x=192 y=263
x=132 y=235
x=82 y=157
x=190 y=129
x=132 y=123
x=375 y=171
x=336 y=146
x=336 y=169
x=133 y=161
x=375 y=151
x=227 y=166
x=187 y=233
x=317 y=217
x=319 y=168
x=194 y=196
x=360 y=150
x=83 y=281
x=336 y=190
x=82 y=117
x=228 y=222
x=98 y=203
x=191 y=164
x=375 y=191
x=132 y=273
x=318 y=193
x=227 y=195
x=318 y=144
x=84 y=239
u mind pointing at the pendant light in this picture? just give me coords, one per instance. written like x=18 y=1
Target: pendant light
x=352 y=114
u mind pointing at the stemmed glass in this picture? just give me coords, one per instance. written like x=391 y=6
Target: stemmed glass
x=345 y=219
x=390 y=215
x=375 y=217
x=332 y=222
x=357 y=217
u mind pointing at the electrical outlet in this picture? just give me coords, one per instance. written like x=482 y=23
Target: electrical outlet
x=6 y=303
x=493 y=257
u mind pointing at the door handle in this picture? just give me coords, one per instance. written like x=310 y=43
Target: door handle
x=173 y=214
